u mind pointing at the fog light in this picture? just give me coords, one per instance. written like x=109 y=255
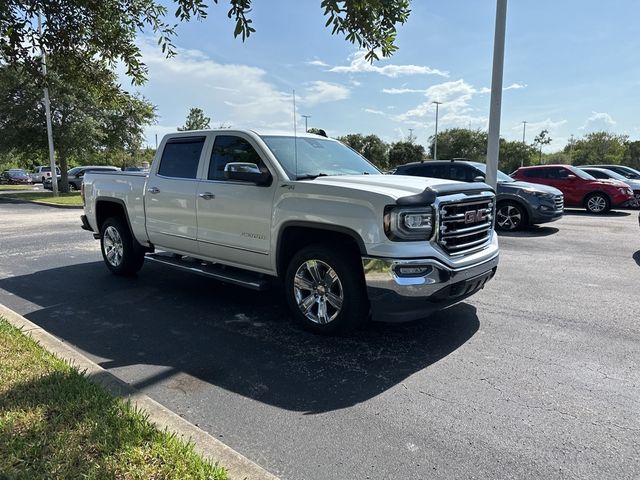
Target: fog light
x=413 y=270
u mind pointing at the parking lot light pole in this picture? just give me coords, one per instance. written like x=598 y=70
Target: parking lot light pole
x=47 y=110
x=524 y=132
x=306 y=117
x=435 y=142
x=493 y=145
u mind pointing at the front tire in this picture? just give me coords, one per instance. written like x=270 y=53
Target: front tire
x=325 y=290
x=510 y=216
x=120 y=252
x=597 y=203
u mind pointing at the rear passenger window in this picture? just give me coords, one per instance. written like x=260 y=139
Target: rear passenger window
x=180 y=157
x=536 y=173
x=461 y=173
x=228 y=149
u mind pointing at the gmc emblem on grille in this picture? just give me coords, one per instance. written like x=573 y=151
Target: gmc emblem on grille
x=473 y=216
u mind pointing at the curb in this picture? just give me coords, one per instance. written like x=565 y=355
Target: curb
x=16 y=200
x=237 y=465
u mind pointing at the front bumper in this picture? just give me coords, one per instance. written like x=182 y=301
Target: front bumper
x=396 y=298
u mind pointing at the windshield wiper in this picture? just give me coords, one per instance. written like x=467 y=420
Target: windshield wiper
x=311 y=177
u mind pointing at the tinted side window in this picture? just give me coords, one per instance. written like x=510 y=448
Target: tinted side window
x=228 y=149
x=558 y=173
x=597 y=174
x=417 y=171
x=535 y=173
x=462 y=173
x=180 y=157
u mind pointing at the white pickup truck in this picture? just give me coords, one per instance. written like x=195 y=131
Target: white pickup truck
x=347 y=242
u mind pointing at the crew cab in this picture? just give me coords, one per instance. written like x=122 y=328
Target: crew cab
x=579 y=188
x=519 y=204
x=347 y=242
x=40 y=174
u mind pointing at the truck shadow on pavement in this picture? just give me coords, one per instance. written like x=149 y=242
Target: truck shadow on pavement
x=530 y=232
x=198 y=334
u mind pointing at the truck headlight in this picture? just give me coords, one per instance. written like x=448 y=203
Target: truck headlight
x=408 y=223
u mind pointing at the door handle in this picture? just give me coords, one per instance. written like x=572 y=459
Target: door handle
x=153 y=190
x=206 y=195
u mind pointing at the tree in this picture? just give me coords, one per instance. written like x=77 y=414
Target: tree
x=405 y=152
x=91 y=115
x=541 y=139
x=107 y=29
x=195 y=121
x=632 y=155
x=371 y=147
x=460 y=143
x=599 y=147
x=513 y=154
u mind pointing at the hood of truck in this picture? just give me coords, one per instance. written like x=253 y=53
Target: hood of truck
x=394 y=186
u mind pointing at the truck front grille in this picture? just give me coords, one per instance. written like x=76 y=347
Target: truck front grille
x=559 y=202
x=465 y=226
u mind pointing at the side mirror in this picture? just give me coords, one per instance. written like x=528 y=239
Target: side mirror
x=479 y=178
x=571 y=176
x=247 y=172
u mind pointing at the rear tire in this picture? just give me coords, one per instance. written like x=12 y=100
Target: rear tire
x=121 y=253
x=597 y=203
x=325 y=290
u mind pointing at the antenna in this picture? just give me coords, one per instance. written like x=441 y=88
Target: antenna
x=295 y=135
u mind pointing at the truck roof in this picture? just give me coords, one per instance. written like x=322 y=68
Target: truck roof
x=258 y=131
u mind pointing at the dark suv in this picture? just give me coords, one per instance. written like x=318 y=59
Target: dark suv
x=518 y=203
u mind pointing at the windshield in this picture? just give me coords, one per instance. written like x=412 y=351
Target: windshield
x=502 y=177
x=628 y=172
x=580 y=173
x=74 y=170
x=611 y=174
x=317 y=157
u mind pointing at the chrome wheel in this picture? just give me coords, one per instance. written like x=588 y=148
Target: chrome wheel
x=318 y=291
x=508 y=217
x=113 y=246
x=596 y=204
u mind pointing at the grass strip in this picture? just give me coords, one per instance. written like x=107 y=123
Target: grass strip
x=47 y=198
x=4 y=188
x=57 y=424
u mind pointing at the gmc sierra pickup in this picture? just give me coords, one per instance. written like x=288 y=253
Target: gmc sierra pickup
x=347 y=242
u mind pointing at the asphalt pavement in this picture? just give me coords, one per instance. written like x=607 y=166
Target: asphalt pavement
x=534 y=377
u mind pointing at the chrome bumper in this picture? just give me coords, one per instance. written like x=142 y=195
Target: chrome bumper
x=404 y=290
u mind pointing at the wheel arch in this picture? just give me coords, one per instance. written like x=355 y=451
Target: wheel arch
x=107 y=207
x=595 y=192
x=518 y=201
x=297 y=234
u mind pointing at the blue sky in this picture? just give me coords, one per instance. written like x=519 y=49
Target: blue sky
x=570 y=67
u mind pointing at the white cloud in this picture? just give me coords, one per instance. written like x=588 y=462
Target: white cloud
x=400 y=91
x=598 y=121
x=537 y=127
x=374 y=112
x=317 y=63
x=236 y=94
x=515 y=86
x=360 y=65
x=322 y=92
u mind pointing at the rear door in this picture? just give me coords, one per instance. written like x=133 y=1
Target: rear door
x=234 y=217
x=567 y=182
x=170 y=198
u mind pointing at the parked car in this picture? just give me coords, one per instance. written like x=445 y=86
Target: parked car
x=76 y=175
x=40 y=174
x=15 y=176
x=623 y=170
x=519 y=204
x=606 y=174
x=579 y=188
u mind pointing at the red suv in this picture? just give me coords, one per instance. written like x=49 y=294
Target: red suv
x=579 y=188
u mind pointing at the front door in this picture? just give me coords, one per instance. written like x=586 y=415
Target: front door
x=234 y=217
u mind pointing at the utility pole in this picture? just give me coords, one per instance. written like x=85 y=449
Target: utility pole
x=571 y=149
x=411 y=135
x=524 y=132
x=493 y=145
x=156 y=141
x=435 y=142
x=47 y=110
x=306 y=117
